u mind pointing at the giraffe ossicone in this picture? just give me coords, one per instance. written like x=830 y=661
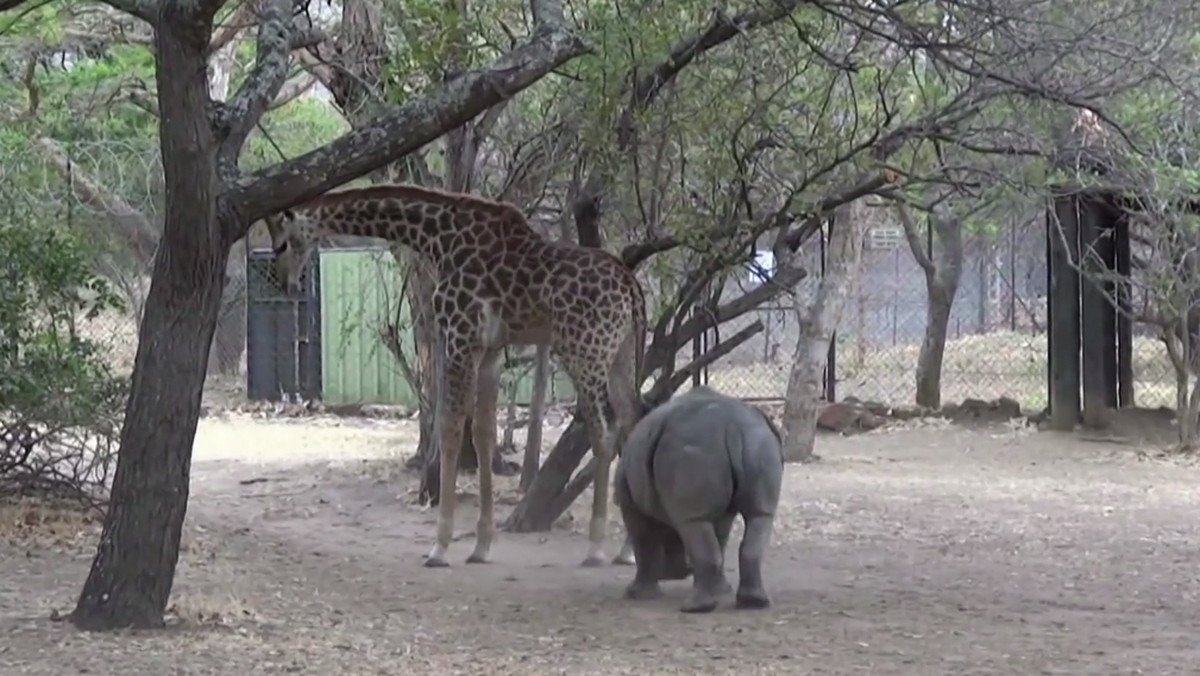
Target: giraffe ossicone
x=498 y=283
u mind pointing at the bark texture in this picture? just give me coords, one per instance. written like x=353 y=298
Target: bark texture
x=940 y=257
x=131 y=576
x=818 y=318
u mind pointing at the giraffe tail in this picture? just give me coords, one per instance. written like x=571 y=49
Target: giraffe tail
x=639 y=328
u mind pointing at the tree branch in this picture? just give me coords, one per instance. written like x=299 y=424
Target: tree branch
x=720 y=29
x=292 y=89
x=677 y=379
x=238 y=117
x=146 y=10
x=228 y=30
x=635 y=254
x=914 y=239
x=401 y=130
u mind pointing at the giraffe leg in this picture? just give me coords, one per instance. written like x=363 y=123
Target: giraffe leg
x=456 y=396
x=625 y=556
x=484 y=432
x=599 y=428
x=623 y=389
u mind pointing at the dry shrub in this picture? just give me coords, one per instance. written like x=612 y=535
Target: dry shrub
x=47 y=523
x=226 y=610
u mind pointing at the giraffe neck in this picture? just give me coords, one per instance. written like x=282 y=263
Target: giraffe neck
x=437 y=226
x=411 y=224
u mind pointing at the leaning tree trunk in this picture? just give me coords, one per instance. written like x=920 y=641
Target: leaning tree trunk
x=817 y=323
x=134 y=566
x=553 y=490
x=933 y=348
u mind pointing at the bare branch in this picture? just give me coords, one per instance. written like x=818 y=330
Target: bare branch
x=241 y=19
x=635 y=254
x=914 y=238
x=720 y=29
x=315 y=66
x=146 y=10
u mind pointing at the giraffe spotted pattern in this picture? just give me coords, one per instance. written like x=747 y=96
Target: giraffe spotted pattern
x=498 y=283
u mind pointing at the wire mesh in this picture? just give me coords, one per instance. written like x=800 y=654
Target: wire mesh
x=995 y=342
x=109 y=193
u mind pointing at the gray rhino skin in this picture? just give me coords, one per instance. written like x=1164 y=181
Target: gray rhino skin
x=688 y=467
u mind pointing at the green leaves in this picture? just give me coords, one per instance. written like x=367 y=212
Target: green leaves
x=49 y=374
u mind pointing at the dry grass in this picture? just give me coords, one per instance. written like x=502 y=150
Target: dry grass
x=985 y=366
x=45 y=523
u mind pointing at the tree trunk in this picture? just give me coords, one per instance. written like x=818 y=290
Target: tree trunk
x=134 y=566
x=817 y=323
x=546 y=499
x=537 y=413
x=933 y=348
x=942 y=266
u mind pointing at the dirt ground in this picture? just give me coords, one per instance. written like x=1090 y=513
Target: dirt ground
x=925 y=551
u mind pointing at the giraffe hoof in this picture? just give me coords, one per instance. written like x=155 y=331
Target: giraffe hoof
x=593 y=561
x=476 y=557
x=624 y=560
x=436 y=562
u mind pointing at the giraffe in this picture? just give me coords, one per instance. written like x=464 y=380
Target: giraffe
x=498 y=283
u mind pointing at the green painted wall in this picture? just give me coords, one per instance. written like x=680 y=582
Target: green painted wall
x=360 y=291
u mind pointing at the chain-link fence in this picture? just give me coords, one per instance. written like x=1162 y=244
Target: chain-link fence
x=108 y=194
x=995 y=338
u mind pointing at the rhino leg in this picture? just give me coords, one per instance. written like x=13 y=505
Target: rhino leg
x=674 y=562
x=722 y=527
x=708 y=581
x=641 y=533
x=750 y=593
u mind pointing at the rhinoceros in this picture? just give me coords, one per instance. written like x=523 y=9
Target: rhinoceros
x=688 y=467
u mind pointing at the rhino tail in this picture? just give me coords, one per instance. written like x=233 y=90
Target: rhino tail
x=735 y=449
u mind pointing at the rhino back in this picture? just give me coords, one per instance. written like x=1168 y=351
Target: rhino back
x=702 y=453
x=726 y=447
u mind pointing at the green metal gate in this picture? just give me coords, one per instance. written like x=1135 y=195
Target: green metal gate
x=360 y=296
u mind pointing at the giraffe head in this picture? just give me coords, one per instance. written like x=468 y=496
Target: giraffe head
x=292 y=238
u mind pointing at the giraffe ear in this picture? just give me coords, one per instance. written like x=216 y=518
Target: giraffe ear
x=289 y=214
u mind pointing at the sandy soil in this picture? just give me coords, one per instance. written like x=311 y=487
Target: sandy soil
x=924 y=551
